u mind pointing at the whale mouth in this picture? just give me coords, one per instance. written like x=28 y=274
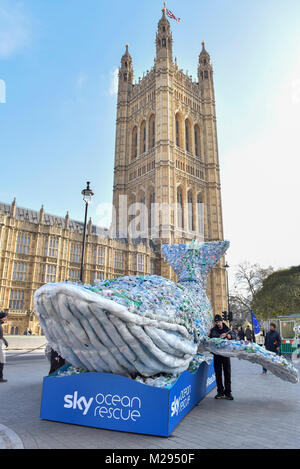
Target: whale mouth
x=99 y=334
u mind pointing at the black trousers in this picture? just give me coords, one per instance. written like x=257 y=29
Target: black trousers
x=222 y=364
x=1 y=370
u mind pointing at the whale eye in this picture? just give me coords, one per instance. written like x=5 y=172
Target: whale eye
x=86 y=345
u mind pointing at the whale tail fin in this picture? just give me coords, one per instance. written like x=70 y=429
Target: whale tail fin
x=193 y=261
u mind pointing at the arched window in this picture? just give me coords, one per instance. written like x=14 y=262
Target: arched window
x=134 y=143
x=179 y=208
x=177 y=130
x=197 y=140
x=151 y=211
x=143 y=137
x=190 y=211
x=200 y=215
x=143 y=210
x=152 y=132
x=187 y=135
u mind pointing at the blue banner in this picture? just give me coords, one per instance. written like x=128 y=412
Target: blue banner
x=256 y=325
x=113 y=402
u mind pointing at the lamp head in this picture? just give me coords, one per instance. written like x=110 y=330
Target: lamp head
x=87 y=193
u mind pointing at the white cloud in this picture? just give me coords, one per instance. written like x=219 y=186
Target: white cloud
x=114 y=79
x=14 y=28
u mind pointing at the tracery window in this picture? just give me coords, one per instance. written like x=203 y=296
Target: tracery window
x=179 y=208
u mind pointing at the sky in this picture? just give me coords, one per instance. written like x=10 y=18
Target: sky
x=58 y=62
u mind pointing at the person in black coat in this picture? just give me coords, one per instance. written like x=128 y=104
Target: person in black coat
x=241 y=334
x=248 y=334
x=56 y=361
x=272 y=341
x=222 y=364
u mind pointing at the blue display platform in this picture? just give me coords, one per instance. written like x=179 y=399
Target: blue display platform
x=113 y=402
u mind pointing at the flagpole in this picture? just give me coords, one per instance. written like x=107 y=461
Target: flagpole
x=252 y=327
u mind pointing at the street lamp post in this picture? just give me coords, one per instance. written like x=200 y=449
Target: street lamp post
x=87 y=197
x=226 y=266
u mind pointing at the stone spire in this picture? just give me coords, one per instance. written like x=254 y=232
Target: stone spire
x=42 y=213
x=67 y=221
x=164 y=40
x=126 y=74
x=204 y=68
x=90 y=226
x=205 y=73
x=13 y=208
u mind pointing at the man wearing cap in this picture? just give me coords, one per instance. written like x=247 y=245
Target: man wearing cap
x=272 y=342
x=220 y=330
x=3 y=317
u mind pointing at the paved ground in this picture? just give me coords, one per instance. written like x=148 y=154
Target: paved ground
x=264 y=414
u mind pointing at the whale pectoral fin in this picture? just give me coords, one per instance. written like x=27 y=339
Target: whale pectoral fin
x=251 y=352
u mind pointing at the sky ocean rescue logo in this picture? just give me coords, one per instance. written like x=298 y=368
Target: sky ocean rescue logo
x=181 y=402
x=109 y=406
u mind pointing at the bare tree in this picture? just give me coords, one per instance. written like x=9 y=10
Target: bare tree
x=248 y=280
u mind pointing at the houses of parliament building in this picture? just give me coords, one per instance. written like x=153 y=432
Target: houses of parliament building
x=166 y=155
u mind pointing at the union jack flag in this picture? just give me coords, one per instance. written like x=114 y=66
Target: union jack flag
x=170 y=15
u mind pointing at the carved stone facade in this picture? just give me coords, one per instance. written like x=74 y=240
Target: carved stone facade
x=167 y=154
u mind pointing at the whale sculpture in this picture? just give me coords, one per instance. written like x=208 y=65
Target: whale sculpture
x=144 y=325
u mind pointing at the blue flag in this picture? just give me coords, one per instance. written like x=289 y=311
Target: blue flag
x=256 y=325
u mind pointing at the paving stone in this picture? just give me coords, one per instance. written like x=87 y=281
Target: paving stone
x=264 y=414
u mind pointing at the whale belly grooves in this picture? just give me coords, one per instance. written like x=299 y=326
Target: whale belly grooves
x=98 y=334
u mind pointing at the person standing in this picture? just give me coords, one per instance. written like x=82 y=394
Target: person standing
x=3 y=341
x=222 y=364
x=248 y=334
x=56 y=361
x=241 y=334
x=272 y=342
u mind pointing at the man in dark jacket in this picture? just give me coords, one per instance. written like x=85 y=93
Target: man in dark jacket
x=222 y=363
x=272 y=341
x=56 y=361
x=3 y=317
x=241 y=334
x=248 y=333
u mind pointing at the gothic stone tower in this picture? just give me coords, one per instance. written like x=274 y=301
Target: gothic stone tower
x=166 y=155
